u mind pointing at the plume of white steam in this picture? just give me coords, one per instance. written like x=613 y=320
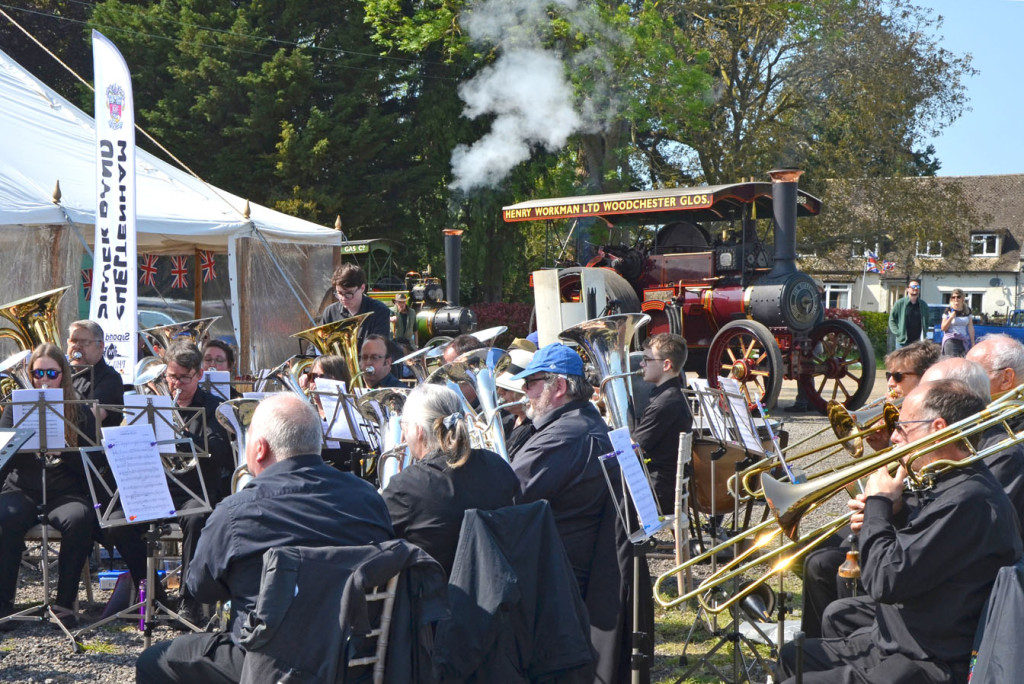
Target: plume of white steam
x=528 y=92
x=526 y=89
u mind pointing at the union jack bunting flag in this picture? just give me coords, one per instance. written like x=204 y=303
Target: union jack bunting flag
x=179 y=272
x=888 y=266
x=87 y=282
x=148 y=268
x=872 y=263
x=206 y=265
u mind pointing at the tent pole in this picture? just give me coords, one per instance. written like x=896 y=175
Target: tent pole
x=197 y=310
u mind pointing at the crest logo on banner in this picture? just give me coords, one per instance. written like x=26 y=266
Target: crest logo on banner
x=115 y=105
x=113 y=288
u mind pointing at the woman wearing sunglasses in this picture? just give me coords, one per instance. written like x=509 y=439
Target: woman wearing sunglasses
x=957 y=325
x=68 y=504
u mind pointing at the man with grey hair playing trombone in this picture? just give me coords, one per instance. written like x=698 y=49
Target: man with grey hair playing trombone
x=928 y=579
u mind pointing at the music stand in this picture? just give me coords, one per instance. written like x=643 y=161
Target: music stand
x=634 y=479
x=39 y=416
x=729 y=421
x=347 y=426
x=112 y=514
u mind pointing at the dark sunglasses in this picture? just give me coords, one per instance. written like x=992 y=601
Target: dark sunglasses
x=52 y=373
x=898 y=375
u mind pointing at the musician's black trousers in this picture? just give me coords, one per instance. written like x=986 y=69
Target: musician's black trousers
x=72 y=516
x=190 y=659
x=132 y=546
x=856 y=660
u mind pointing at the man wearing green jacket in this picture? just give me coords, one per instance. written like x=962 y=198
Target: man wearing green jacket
x=908 y=320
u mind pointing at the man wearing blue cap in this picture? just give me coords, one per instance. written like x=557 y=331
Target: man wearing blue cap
x=560 y=463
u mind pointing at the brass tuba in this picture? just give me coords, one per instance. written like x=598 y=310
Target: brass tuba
x=34 y=319
x=158 y=339
x=340 y=338
x=606 y=342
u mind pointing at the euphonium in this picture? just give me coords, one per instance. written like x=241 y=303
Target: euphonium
x=34 y=319
x=158 y=339
x=607 y=341
x=340 y=338
x=480 y=367
x=14 y=373
x=235 y=416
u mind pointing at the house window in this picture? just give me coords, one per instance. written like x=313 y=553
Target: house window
x=973 y=300
x=984 y=245
x=837 y=295
x=860 y=249
x=931 y=249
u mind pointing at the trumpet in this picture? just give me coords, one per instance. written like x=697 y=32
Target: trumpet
x=791 y=502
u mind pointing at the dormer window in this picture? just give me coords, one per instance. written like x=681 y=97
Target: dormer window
x=930 y=249
x=984 y=245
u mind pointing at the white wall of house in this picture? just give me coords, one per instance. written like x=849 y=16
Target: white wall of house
x=989 y=293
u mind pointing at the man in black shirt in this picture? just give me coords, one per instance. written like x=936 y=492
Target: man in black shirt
x=666 y=415
x=295 y=499
x=928 y=580
x=94 y=379
x=349 y=283
x=375 y=357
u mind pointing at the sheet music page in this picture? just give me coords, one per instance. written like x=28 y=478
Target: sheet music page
x=25 y=416
x=709 y=409
x=329 y=392
x=163 y=420
x=220 y=383
x=637 y=482
x=256 y=395
x=741 y=414
x=135 y=461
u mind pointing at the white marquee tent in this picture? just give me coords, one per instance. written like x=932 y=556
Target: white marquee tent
x=279 y=265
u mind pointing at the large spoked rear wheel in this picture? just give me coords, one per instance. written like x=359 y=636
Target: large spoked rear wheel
x=839 y=365
x=747 y=351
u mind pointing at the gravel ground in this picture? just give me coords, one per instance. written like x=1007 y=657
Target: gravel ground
x=41 y=653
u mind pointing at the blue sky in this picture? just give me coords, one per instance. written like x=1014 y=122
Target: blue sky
x=989 y=139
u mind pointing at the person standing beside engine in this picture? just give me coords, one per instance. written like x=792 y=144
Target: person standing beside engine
x=908 y=320
x=957 y=326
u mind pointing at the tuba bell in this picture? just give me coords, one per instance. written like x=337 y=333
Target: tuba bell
x=158 y=339
x=340 y=338
x=606 y=342
x=34 y=319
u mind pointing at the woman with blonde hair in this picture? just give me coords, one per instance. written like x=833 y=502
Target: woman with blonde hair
x=68 y=504
x=957 y=325
x=447 y=477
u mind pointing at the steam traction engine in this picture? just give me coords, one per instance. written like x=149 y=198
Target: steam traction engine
x=707 y=276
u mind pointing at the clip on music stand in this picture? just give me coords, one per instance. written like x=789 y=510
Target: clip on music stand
x=43 y=612
x=112 y=514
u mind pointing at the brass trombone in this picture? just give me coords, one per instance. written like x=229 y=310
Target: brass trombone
x=850 y=429
x=791 y=502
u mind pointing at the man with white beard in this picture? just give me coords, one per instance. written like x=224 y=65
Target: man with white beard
x=561 y=463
